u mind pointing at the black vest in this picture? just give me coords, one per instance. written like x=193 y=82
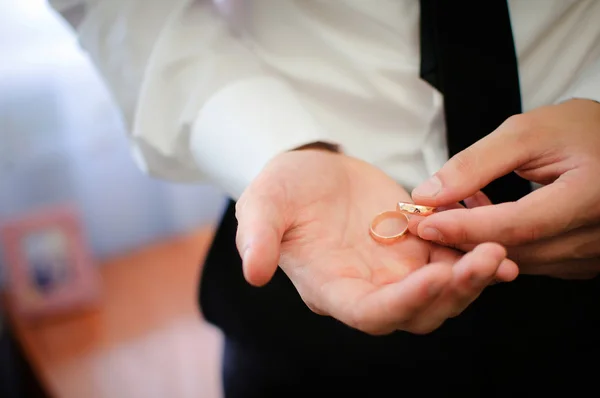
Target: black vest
x=519 y=319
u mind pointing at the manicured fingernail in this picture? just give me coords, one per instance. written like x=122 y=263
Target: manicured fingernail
x=431 y=234
x=429 y=188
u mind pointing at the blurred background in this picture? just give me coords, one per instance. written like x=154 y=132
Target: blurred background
x=62 y=142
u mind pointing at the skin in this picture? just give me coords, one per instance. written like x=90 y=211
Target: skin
x=308 y=212
x=553 y=231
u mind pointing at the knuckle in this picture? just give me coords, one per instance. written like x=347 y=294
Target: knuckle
x=462 y=232
x=518 y=229
x=465 y=161
x=522 y=128
x=517 y=124
x=455 y=231
x=275 y=191
x=514 y=122
x=524 y=234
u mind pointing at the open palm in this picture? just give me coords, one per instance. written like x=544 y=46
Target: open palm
x=309 y=212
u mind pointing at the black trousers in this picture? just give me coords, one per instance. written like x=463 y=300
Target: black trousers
x=534 y=335
x=252 y=372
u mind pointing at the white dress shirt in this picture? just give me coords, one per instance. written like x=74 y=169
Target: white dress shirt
x=212 y=90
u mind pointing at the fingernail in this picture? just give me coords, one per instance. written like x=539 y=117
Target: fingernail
x=429 y=188
x=431 y=234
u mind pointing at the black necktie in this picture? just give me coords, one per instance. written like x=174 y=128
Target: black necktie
x=468 y=54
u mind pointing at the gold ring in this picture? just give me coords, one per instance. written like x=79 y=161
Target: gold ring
x=415 y=209
x=382 y=217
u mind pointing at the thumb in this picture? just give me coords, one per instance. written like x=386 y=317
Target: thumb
x=261 y=225
x=492 y=157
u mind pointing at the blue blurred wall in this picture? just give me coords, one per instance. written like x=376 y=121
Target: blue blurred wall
x=61 y=140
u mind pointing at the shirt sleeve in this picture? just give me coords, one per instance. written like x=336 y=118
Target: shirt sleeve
x=587 y=86
x=198 y=103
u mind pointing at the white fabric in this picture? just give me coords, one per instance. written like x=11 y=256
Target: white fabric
x=216 y=92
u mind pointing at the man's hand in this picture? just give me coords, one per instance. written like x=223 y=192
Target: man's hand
x=309 y=212
x=554 y=230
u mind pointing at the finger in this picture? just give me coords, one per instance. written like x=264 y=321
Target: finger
x=507 y=271
x=545 y=212
x=261 y=226
x=478 y=199
x=472 y=274
x=495 y=155
x=579 y=244
x=415 y=219
x=377 y=310
x=413 y=224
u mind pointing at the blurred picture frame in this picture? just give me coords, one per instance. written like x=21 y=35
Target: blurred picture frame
x=49 y=268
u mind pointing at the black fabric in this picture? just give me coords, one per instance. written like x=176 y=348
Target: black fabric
x=565 y=370
x=252 y=373
x=468 y=54
x=535 y=334
x=275 y=346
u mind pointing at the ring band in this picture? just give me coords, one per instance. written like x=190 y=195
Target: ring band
x=382 y=217
x=415 y=209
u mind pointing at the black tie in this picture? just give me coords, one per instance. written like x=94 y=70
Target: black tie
x=468 y=54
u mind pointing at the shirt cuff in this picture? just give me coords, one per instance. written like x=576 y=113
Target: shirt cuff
x=244 y=125
x=588 y=87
